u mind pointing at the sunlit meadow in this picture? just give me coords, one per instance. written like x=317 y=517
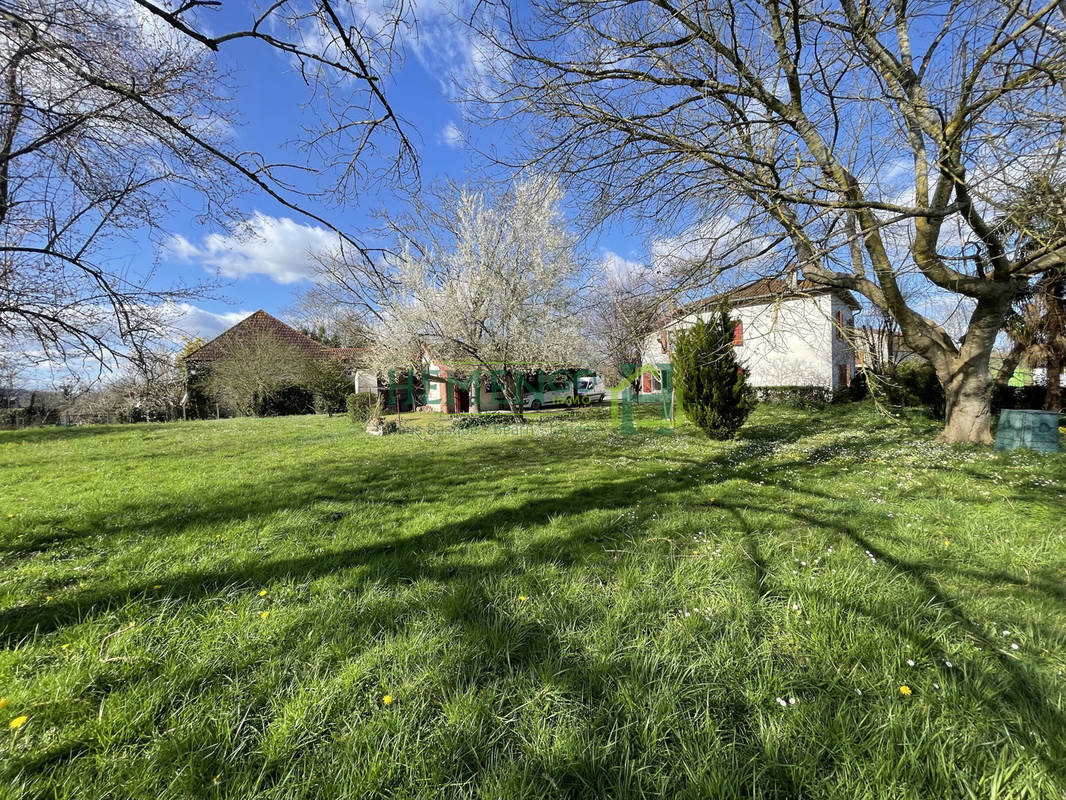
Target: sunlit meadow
x=831 y=606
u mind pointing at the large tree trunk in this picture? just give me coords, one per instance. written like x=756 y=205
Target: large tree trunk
x=966 y=378
x=475 y=394
x=1053 y=392
x=1056 y=340
x=968 y=408
x=1010 y=364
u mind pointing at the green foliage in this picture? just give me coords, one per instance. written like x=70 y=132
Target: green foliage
x=795 y=396
x=188 y=346
x=467 y=421
x=859 y=389
x=1004 y=396
x=327 y=381
x=714 y=390
x=321 y=335
x=363 y=406
x=666 y=608
x=914 y=383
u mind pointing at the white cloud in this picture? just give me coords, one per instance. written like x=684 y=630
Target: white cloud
x=447 y=47
x=193 y=321
x=618 y=268
x=281 y=249
x=452 y=136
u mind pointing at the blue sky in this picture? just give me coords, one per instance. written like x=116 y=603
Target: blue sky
x=269 y=270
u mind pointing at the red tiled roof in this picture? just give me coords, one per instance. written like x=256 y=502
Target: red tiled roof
x=347 y=353
x=262 y=324
x=762 y=290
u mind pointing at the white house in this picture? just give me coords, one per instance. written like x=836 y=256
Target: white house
x=788 y=333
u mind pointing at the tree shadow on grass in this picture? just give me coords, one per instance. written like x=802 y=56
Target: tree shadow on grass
x=1026 y=704
x=500 y=648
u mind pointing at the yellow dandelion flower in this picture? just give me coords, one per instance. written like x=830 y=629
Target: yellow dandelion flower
x=905 y=691
x=48 y=599
x=264 y=615
x=158 y=586
x=64 y=646
x=386 y=699
x=947 y=543
x=10 y=516
x=17 y=722
x=263 y=593
x=522 y=598
x=3 y=702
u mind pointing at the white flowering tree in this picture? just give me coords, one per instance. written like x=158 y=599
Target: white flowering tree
x=485 y=278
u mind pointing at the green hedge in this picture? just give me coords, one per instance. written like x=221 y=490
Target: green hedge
x=915 y=384
x=799 y=396
x=465 y=421
x=1017 y=397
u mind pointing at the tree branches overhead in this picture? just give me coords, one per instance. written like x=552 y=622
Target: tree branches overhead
x=113 y=113
x=870 y=143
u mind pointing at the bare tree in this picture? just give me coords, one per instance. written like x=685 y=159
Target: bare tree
x=326 y=314
x=873 y=144
x=11 y=367
x=485 y=279
x=147 y=388
x=252 y=371
x=623 y=310
x=878 y=342
x=111 y=110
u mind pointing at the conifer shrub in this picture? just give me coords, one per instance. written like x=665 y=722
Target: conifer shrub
x=709 y=379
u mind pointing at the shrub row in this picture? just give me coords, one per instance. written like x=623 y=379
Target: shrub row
x=466 y=421
x=799 y=396
x=1017 y=397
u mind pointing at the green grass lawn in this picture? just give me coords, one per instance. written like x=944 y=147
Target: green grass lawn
x=831 y=606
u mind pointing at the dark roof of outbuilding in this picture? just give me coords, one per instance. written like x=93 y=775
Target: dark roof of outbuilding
x=263 y=324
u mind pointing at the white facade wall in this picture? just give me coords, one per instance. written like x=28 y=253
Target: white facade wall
x=365 y=381
x=786 y=341
x=843 y=349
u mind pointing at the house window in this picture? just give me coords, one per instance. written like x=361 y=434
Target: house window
x=738 y=334
x=664 y=340
x=840 y=325
x=843 y=375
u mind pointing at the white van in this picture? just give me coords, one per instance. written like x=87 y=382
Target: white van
x=560 y=392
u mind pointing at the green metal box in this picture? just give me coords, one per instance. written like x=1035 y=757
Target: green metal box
x=1037 y=430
